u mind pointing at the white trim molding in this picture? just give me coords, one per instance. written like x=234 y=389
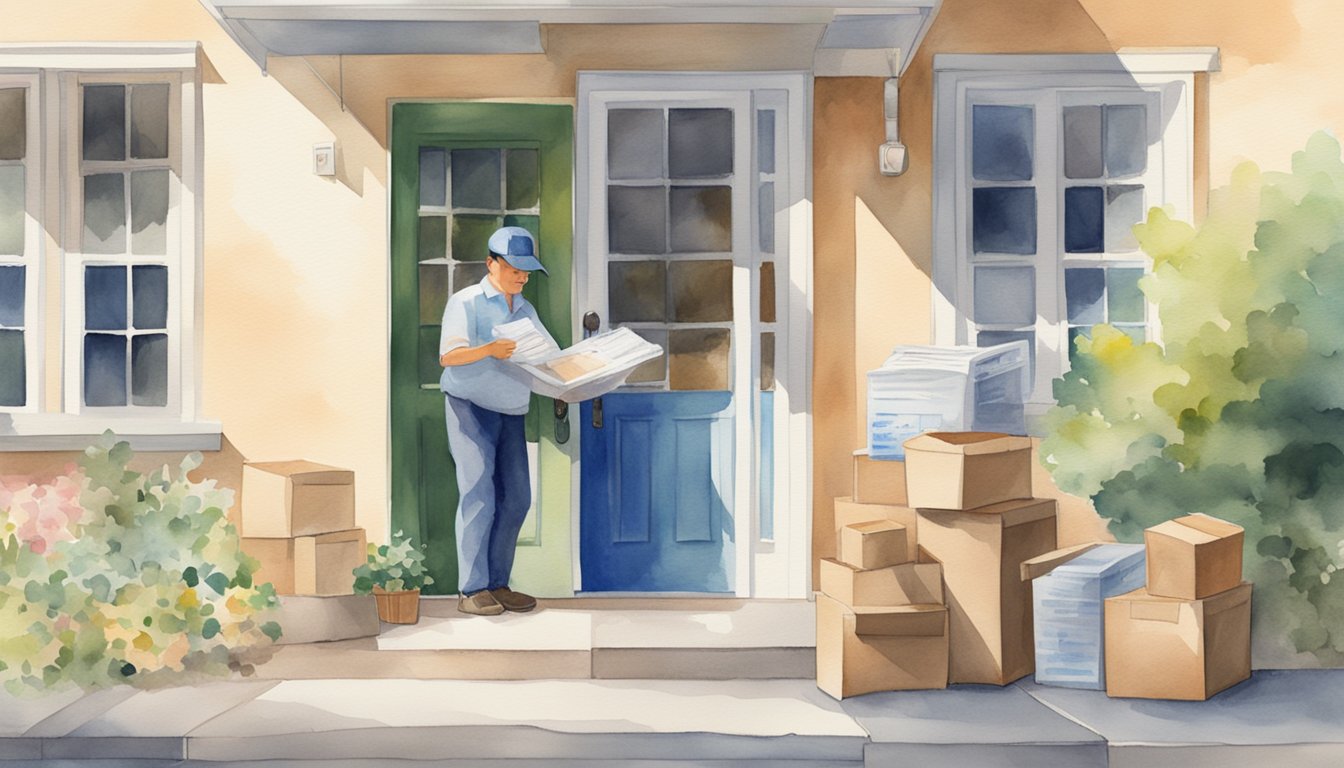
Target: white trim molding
x=100 y=56
x=1132 y=60
x=60 y=432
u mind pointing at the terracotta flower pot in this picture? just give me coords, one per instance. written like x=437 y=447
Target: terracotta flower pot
x=401 y=607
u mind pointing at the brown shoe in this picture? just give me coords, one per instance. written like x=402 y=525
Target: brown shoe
x=514 y=601
x=479 y=604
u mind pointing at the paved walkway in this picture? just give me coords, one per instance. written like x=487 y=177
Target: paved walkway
x=1278 y=718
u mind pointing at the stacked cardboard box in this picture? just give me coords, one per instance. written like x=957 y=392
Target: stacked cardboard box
x=298 y=520
x=972 y=496
x=881 y=619
x=1187 y=635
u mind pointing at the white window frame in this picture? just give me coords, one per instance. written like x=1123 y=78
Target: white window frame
x=55 y=417
x=33 y=250
x=1162 y=79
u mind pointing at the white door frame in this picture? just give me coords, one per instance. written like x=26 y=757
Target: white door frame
x=779 y=567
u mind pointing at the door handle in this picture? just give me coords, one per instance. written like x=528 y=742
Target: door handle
x=561 y=422
x=591 y=323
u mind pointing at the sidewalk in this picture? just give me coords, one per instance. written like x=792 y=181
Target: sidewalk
x=1277 y=718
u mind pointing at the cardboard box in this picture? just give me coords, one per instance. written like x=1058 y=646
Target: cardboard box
x=283 y=499
x=1067 y=609
x=906 y=584
x=878 y=481
x=848 y=512
x=874 y=544
x=309 y=565
x=988 y=604
x=1193 y=557
x=965 y=470
x=908 y=653
x=1166 y=648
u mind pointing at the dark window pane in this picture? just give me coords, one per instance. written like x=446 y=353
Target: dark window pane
x=768 y=292
x=637 y=219
x=523 y=183
x=12 y=204
x=13 y=369
x=471 y=236
x=1124 y=209
x=1136 y=333
x=104 y=213
x=990 y=338
x=767 y=214
x=433 y=242
x=149 y=120
x=765 y=140
x=635 y=144
x=11 y=296
x=655 y=369
x=1083 y=220
x=149 y=370
x=701 y=291
x=699 y=143
x=468 y=274
x=476 y=178
x=1001 y=142
x=433 y=177
x=104 y=122
x=698 y=359
x=1004 y=220
x=13 y=123
x=1005 y=295
x=702 y=219
x=105 y=298
x=1075 y=333
x=1124 y=297
x=637 y=291
x=104 y=369
x=1084 y=290
x=767 y=361
x=1126 y=139
x=433 y=279
x=1082 y=142
x=149 y=295
x=149 y=212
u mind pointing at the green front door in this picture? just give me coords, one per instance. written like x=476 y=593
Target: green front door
x=460 y=170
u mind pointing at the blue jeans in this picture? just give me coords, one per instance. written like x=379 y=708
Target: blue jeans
x=494 y=491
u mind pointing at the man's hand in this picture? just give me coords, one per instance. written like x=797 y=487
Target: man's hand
x=501 y=349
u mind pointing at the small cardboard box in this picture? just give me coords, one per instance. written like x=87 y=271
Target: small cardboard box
x=283 y=499
x=988 y=604
x=878 y=481
x=1165 y=648
x=1193 y=557
x=874 y=544
x=848 y=512
x=309 y=565
x=906 y=584
x=904 y=648
x=965 y=470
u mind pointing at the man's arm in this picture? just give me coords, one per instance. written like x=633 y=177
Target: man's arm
x=500 y=349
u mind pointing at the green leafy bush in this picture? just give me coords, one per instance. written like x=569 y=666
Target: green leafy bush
x=1240 y=412
x=392 y=567
x=111 y=576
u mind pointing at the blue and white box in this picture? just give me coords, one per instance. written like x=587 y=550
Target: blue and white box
x=1068 y=611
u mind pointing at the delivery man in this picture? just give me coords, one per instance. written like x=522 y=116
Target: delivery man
x=486 y=400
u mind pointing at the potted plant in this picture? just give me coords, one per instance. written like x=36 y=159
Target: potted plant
x=394 y=573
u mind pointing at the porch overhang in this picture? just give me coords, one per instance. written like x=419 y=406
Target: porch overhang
x=862 y=37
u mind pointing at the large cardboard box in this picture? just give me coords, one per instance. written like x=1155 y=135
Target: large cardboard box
x=903 y=648
x=309 y=565
x=283 y=499
x=848 y=511
x=988 y=604
x=965 y=470
x=873 y=544
x=906 y=584
x=1193 y=557
x=1166 y=648
x=878 y=481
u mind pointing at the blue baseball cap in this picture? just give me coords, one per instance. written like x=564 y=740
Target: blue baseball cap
x=516 y=246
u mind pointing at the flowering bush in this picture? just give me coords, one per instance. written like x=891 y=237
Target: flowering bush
x=109 y=576
x=393 y=567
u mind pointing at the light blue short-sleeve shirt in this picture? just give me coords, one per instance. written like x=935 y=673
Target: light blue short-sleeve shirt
x=469 y=320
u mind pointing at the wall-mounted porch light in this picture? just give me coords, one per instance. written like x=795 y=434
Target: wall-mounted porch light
x=892 y=158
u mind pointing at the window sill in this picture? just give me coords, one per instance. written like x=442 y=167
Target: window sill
x=64 y=432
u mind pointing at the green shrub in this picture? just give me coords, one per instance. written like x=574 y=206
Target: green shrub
x=392 y=567
x=110 y=576
x=1240 y=412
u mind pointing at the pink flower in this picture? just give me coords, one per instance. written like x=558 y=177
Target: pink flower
x=44 y=514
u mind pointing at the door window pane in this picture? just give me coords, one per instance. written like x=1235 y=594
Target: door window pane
x=635 y=144
x=768 y=292
x=12 y=296
x=702 y=291
x=767 y=216
x=699 y=143
x=699 y=359
x=105 y=298
x=12 y=205
x=523 y=171
x=1083 y=293
x=1001 y=142
x=1004 y=220
x=1083 y=220
x=471 y=236
x=104 y=213
x=637 y=291
x=13 y=369
x=1082 y=142
x=1126 y=139
x=531 y=224
x=1005 y=295
x=476 y=178
x=433 y=280
x=654 y=370
x=13 y=123
x=1124 y=297
x=149 y=370
x=637 y=219
x=149 y=212
x=702 y=219
x=149 y=120
x=104 y=369
x=466 y=275
x=765 y=140
x=767 y=361
x=104 y=122
x=433 y=177
x=1124 y=209
x=433 y=239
